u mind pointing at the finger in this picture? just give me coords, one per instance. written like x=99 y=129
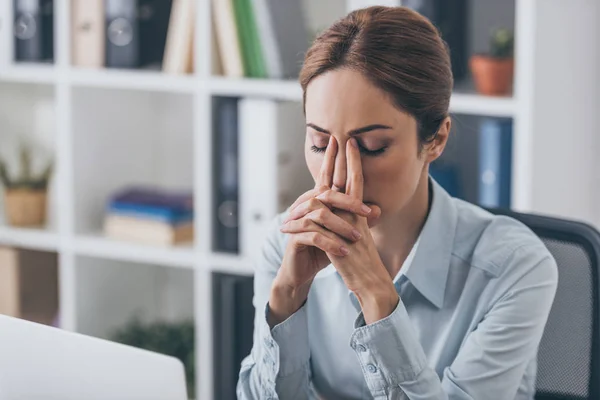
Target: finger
x=321 y=219
x=304 y=208
x=374 y=217
x=354 y=179
x=325 y=177
x=321 y=241
x=344 y=202
x=308 y=195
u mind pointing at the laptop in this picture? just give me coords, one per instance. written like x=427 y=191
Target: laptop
x=42 y=362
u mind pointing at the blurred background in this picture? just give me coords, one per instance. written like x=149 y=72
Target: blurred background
x=145 y=145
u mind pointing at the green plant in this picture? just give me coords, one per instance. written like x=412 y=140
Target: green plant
x=26 y=179
x=502 y=43
x=173 y=339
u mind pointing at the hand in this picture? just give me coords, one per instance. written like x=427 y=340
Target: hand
x=362 y=269
x=306 y=252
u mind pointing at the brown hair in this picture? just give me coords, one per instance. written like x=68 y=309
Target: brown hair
x=399 y=51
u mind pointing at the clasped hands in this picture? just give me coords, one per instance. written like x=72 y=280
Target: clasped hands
x=333 y=227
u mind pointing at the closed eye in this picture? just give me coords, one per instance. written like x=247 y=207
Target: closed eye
x=363 y=150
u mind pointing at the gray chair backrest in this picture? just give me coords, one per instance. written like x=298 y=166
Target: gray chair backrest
x=569 y=353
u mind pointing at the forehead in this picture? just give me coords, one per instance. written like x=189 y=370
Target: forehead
x=345 y=99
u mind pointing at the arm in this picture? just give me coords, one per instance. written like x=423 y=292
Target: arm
x=278 y=365
x=492 y=361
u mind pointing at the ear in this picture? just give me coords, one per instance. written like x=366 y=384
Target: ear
x=435 y=149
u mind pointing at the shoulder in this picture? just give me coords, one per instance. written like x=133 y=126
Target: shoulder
x=501 y=246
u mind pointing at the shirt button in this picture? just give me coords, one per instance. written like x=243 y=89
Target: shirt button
x=361 y=348
x=269 y=343
x=371 y=368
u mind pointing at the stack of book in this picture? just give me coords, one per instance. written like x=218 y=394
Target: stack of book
x=150 y=216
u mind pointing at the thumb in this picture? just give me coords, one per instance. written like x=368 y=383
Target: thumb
x=373 y=217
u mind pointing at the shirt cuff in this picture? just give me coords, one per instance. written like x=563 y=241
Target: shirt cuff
x=388 y=350
x=287 y=342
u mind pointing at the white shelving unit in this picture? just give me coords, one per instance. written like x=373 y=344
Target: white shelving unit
x=113 y=127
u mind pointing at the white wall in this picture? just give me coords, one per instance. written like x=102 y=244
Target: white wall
x=566 y=109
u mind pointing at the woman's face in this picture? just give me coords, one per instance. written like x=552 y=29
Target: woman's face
x=343 y=104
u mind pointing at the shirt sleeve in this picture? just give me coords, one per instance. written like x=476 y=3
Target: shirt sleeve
x=492 y=361
x=278 y=365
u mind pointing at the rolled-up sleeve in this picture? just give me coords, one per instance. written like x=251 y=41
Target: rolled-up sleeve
x=491 y=362
x=278 y=365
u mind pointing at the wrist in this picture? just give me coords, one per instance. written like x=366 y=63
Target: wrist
x=378 y=303
x=285 y=300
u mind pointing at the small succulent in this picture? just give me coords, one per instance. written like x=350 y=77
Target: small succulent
x=26 y=179
x=502 y=43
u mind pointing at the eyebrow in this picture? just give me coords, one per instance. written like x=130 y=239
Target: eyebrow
x=353 y=132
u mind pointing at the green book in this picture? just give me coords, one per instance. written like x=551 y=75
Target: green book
x=243 y=36
x=257 y=54
x=252 y=57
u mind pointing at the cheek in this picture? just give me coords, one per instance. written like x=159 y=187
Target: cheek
x=391 y=173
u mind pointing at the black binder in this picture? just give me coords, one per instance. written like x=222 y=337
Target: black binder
x=451 y=18
x=233 y=316
x=226 y=175
x=136 y=32
x=33 y=30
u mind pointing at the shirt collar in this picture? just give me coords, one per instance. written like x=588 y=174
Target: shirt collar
x=429 y=269
x=409 y=259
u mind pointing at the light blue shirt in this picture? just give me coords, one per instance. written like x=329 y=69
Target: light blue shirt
x=472 y=310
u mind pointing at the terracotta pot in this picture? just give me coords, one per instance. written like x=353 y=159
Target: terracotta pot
x=25 y=207
x=492 y=76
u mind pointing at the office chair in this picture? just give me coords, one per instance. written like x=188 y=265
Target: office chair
x=569 y=353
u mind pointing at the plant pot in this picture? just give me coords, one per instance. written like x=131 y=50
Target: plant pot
x=492 y=76
x=25 y=207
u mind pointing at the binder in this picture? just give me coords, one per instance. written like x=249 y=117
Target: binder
x=451 y=18
x=136 y=32
x=34 y=30
x=233 y=327
x=122 y=34
x=226 y=175
x=272 y=166
x=495 y=162
x=88 y=33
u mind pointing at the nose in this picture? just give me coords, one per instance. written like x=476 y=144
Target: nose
x=339 y=172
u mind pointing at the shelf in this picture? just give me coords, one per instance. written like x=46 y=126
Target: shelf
x=275 y=89
x=149 y=80
x=29 y=238
x=461 y=103
x=29 y=73
x=105 y=248
x=475 y=104
x=229 y=263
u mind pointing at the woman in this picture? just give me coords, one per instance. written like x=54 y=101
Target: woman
x=376 y=283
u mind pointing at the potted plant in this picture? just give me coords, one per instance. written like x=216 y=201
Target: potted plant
x=175 y=339
x=493 y=72
x=25 y=194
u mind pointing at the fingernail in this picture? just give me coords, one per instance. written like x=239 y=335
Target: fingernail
x=344 y=250
x=365 y=209
x=282 y=227
x=353 y=142
x=356 y=234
